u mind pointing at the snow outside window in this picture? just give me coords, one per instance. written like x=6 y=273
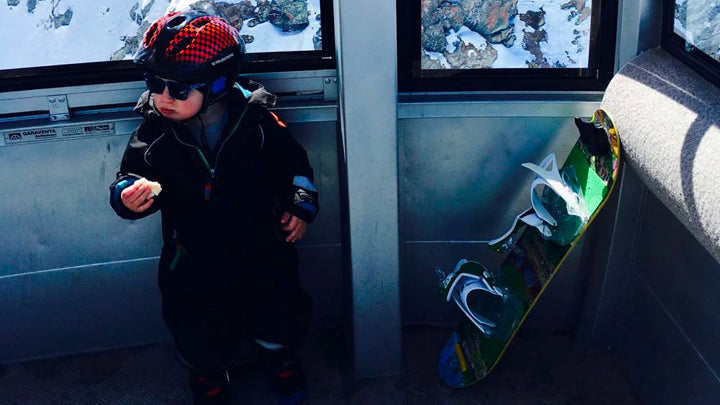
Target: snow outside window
x=691 y=33
x=698 y=23
x=58 y=32
x=505 y=34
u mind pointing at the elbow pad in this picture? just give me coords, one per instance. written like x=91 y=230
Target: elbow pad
x=304 y=199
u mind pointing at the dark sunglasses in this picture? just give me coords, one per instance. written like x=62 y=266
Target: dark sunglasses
x=177 y=90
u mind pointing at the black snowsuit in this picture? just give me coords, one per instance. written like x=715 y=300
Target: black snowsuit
x=225 y=271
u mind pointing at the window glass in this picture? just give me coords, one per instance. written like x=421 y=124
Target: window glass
x=698 y=24
x=58 y=32
x=470 y=34
x=478 y=45
x=691 y=32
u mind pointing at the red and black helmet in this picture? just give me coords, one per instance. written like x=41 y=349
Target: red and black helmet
x=191 y=46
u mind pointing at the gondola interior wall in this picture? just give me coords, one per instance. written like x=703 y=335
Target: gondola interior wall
x=75 y=278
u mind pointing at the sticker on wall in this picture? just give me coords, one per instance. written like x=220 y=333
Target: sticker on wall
x=45 y=134
x=30 y=135
x=87 y=130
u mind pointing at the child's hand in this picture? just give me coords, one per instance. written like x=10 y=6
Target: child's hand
x=137 y=196
x=294 y=226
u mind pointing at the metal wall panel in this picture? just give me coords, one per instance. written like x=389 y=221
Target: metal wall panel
x=461 y=177
x=80 y=309
x=661 y=364
x=295 y=84
x=669 y=318
x=320 y=141
x=658 y=304
x=56 y=212
x=322 y=276
x=462 y=181
x=321 y=268
x=683 y=278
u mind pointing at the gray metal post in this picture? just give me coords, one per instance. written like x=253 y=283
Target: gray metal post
x=365 y=34
x=639 y=25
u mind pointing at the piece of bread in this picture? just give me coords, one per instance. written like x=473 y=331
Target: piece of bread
x=155 y=187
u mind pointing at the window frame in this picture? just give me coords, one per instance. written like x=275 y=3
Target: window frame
x=675 y=45
x=412 y=79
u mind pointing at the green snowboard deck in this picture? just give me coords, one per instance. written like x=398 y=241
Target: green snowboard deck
x=530 y=263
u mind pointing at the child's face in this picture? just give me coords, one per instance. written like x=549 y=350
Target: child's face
x=178 y=110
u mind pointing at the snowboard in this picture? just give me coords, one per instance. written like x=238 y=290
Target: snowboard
x=564 y=201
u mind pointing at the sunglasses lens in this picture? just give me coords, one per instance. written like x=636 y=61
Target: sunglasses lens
x=177 y=90
x=154 y=84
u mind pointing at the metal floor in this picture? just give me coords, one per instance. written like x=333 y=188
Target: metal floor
x=540 y=367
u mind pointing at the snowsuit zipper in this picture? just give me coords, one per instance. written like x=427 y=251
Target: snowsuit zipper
x=211 y=170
